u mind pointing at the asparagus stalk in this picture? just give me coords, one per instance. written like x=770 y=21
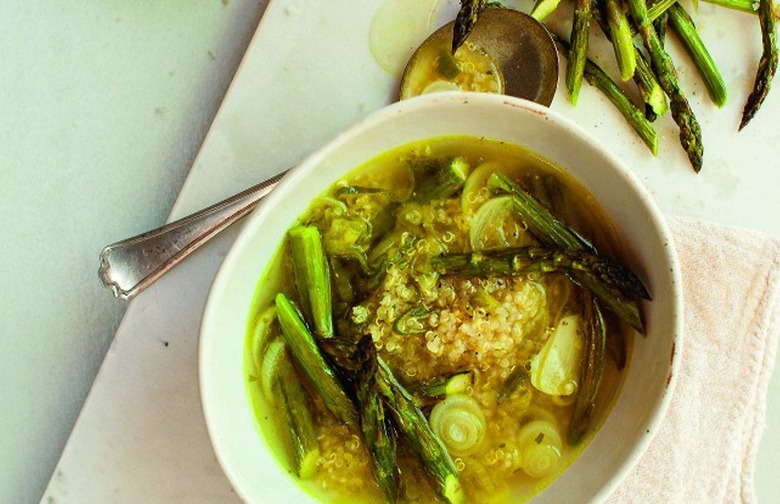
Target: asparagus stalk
x=748 y=6
x=651 y=91
x=445 y=181
x=310 y=361
x=683 y=26
x=377 y=432
x=541 y=223
x=635 y=117
x=767 y=65
x=625 y=308
x=591 y=372
x=690 y=132
x=303 y=434
x=657 y=8
x=620 y=35
x=616 y=346
x=544 y=8
x=649 y=87
x=612 y=284
x=546 y=260
x=418 y=434
x=312 y=277
x=464 y=21
x=578 y=50
x=660 y=24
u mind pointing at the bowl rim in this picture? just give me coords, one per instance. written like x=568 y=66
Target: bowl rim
x=297 y=174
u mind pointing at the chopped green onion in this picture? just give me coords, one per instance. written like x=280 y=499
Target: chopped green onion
x=459 y=422
x=262 y=334
x=412 y=321
x=540 y=445
x=270 y=366
x=447 y=65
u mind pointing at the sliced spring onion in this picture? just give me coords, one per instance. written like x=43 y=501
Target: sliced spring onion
x=496 y=225
x=344 y=234
x=412 y=321
x=440 y=86
x=475 y=191
x=484 y=299
x=262 y=335
x=540 y=445
x=459 y=422
x=269 y=368
x=447 y=65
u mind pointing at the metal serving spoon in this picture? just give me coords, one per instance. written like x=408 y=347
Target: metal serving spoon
x=519 y=45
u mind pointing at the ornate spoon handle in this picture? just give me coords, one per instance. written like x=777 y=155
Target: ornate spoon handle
x=129 y=266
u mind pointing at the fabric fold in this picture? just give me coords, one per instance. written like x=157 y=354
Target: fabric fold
x=706 y=448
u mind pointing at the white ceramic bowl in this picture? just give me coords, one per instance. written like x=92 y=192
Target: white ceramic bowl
x=237 y=440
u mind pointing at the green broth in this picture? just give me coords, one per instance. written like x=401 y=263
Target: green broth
x=489 y=326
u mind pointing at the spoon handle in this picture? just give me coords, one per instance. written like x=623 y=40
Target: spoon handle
x=129 y=266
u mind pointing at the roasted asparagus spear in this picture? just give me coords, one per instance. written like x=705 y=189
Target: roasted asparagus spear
x=635 y=117
x=312 y=277
x=377 y=431
x=610 y=282
x=296 y=404
x=683 y=26
x=414 y=426
x=767 y=65
x=591 y=371
x=311 y=363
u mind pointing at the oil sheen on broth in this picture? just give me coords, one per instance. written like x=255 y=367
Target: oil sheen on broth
x=493 y=361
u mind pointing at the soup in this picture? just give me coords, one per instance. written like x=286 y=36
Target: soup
x=447 y=322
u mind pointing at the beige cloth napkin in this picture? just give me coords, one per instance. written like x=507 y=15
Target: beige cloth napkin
x=706 y=448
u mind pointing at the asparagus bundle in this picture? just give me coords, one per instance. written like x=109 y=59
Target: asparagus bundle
x=690 y=132
x=654 y=76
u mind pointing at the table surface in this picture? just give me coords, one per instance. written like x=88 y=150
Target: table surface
x=140 y=436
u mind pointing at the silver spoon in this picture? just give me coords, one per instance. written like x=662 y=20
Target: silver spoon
x=521 y=48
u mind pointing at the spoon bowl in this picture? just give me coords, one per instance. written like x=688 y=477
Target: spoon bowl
x=519 y=47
